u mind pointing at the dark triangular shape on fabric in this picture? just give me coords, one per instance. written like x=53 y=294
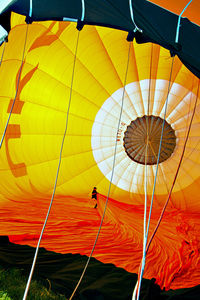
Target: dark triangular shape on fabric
x=5 y=20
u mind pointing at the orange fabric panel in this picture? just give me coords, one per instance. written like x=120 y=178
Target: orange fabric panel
x=173 y=257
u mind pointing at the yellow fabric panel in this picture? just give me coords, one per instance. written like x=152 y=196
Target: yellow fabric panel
x=29 y=158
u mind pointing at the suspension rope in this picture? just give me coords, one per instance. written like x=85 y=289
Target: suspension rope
x=58 y=169
x=159 y=151
x=179 y=21
x=144 y=225
x=4 y=46
x=161 y=170
x=18 y=80
x=31 y=9
x=123 y=14
x=142 y=265
x=187 y=122
x=111 y=179
x=83 y=10
x=146 y=177
x=149 y=94
x=177 y=171
x=132 y=17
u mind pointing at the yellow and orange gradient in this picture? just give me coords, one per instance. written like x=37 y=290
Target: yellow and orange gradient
x=30 y=152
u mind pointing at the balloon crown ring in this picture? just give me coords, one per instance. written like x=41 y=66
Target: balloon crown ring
x=142 y=140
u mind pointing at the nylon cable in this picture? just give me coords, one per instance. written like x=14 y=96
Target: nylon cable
x=149 y=94
x=19 y=76
x=161 y=172
x=55 y=184
x=146 y=176
x=142 y=265
x=179 y=21
x=4 y=46
x=159 y=151
x=124 y=15
x=195 y=147
x=132 y=17
x=138 y=284
x=31 y=8
x=176 y=174
x=83 y=10
x=187 y=122
x=112 y=174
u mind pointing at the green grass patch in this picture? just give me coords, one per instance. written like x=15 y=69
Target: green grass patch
x=13 y=283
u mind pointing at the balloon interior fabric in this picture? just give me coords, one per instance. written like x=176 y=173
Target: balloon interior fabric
x=36 y=70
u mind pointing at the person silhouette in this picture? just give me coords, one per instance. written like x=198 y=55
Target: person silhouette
x=94 y=195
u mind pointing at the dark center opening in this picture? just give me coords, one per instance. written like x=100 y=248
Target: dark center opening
x=142 y=139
